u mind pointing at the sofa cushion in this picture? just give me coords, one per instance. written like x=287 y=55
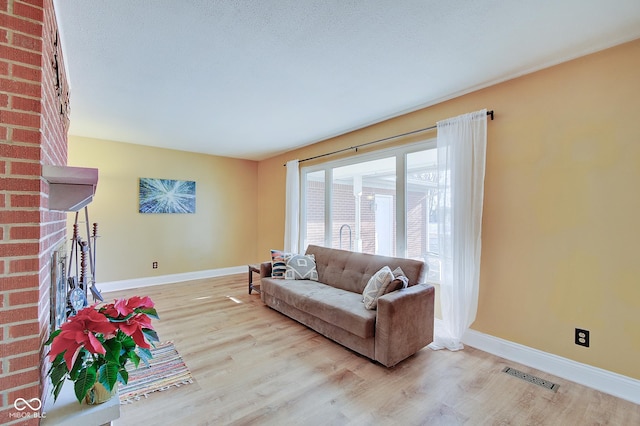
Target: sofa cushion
x=344 y=309
x=376 y=287
x=278 y=264
x=351 y=271
x=381 y=284
x=301 y=267
x=399 y=280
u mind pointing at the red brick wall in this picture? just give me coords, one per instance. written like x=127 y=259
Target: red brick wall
x=33 y=129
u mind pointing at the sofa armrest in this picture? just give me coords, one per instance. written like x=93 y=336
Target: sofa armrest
x=265 y=269
x=404 y=323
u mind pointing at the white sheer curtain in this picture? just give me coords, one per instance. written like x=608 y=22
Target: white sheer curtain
x=292 y=212
x=461 y=147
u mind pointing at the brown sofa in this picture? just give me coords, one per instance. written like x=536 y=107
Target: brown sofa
x=332 y=306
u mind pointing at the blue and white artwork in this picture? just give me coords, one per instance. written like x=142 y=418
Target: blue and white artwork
x=167 y=196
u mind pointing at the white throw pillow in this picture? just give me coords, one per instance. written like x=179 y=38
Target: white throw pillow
x=376 y=287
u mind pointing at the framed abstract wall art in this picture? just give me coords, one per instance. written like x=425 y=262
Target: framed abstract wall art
x=167 y=196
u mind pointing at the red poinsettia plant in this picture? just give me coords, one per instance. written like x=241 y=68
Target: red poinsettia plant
x=95 y=345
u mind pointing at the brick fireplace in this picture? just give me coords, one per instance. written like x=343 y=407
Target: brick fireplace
x=33 y=132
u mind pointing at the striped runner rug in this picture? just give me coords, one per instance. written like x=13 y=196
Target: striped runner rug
x=166 y=370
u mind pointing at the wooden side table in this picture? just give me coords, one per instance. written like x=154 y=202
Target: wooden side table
x=252 y=269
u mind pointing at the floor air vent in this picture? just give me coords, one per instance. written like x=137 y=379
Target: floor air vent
x=531 y=379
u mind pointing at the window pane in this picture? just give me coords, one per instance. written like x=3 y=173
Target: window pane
x=314 y=215
x=363 y=207
x=422 y=227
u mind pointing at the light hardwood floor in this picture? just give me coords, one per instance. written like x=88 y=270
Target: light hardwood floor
x=254 y=366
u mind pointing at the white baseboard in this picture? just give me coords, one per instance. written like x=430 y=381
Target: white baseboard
x=602 y=380
x=168 y=279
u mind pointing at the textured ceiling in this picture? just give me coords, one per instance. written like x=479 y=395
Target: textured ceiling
x=254 y=78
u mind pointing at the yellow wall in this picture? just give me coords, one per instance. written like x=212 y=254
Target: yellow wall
x=560 y=229
x=561 y=212
x=220 y=234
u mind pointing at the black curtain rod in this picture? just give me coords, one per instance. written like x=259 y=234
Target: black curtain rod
x=489 y=113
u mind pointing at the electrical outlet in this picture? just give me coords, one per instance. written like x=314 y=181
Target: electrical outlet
x=582 y=337
x=155 y=265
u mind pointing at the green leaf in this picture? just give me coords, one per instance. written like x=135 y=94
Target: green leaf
x=128 y=343
x=151 y=312
x=52 y=336
x=58 y=373
x=86 y=379
x=134 y=358
x=123 y=319
x=59 y=359
x=145 y=355
x=123 y=376
x=77 y=366
x=113 y=348
x=108 y=375
x=151 y=335
x=56 y=389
